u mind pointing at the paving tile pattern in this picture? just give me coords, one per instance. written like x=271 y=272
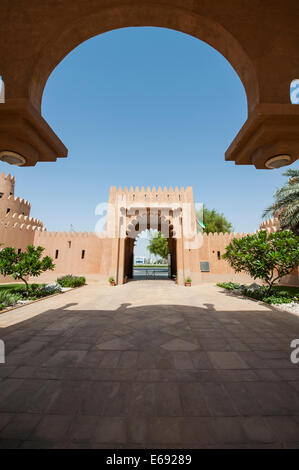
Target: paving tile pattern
x=148 y=365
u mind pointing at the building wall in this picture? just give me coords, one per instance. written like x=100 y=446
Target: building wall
x=104 y=257
x=18 y=236
x=17 y=228
x=9 y=204
x=73 y=253
x=211 y=251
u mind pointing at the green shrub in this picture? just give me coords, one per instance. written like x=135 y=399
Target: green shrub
x=8 y=298
x=279 y=296
x=265 y=256
x=71 y=281
x=228 y=285
x=277 y=300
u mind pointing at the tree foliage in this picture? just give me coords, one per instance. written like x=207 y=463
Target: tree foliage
x=24 y=264
x=286 y=205
x=266 y=256
x=158 y=245
x=215 y=222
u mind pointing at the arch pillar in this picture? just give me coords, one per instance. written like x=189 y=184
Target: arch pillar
x=24 y=131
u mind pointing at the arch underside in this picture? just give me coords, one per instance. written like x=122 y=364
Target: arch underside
x=263 y=53
x=179 y=19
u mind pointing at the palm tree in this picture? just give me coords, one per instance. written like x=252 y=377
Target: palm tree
x=286 y=205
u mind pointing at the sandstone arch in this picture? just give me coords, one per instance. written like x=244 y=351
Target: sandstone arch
x=260 y=42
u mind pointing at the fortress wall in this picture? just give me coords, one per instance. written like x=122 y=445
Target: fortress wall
x=18 y=236
x=220 y=270
x=270 y=225
x=8 y=201
x=151 y=195
x=15 y=205
x=213 y=247
x=292 y=279
x=70 y=246
x=20 y=219
x=7 y=184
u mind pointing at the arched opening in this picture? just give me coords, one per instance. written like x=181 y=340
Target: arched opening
x=147 y=265
x=159 y=266
x=178 y=19
x=272 y=124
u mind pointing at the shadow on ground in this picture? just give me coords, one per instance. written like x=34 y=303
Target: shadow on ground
x=153 y=376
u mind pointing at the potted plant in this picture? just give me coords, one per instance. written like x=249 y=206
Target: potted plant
x=175 y=278
x=111 y=281
x=188 y=282
x=125 y=279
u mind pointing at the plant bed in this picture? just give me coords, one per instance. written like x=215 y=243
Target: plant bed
x=69 y=280
x=278 y=294
x=30 y=300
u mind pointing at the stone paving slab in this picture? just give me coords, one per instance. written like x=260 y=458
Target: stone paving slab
x=148 y=365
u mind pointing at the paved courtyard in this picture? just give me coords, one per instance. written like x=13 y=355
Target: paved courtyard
x=148 y=364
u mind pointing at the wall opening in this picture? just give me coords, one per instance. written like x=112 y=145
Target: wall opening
x=141 y=264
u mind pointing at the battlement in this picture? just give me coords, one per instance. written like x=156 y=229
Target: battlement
x=270 y=225
x=20 y=218
x=7 y=178
x=151 y=194
x=225 y=235
x=67 y=235
x=22 y=202
x=23 y=226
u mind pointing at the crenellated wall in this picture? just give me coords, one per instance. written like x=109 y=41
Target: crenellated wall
x=211 y=251
x=7 y=184
x=151 y=194
x=270 y=225
x=17 y=228
x=11 y=219
x=97 y=258
x=18 y=235
x=9 y=204
x=79 y=253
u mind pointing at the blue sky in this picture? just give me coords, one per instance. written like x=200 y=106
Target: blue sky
x=144 y=106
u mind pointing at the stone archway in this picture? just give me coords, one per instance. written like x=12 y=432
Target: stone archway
x=130 y=212
x=130 y=245
x=264 y=54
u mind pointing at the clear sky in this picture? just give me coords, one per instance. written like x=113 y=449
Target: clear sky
x=144 y=106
